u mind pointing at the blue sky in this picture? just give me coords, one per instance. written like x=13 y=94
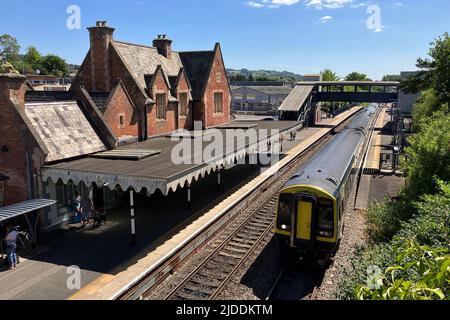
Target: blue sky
x=302 y=36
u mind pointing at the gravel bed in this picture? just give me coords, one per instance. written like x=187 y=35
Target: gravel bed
x=355 y=235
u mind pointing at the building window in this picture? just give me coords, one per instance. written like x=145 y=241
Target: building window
x=183 y=104
x=218 y=102
x=121 y=121
x=251 y=97
x=238 y=96
x=161 y=106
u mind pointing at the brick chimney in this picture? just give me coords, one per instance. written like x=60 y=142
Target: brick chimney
x=164 y=46
x=12 y=87
x=101 y=37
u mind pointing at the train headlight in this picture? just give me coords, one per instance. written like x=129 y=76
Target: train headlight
x=284 y=227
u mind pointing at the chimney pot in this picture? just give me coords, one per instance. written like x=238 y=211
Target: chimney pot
x=101 y=24
x=164 y=45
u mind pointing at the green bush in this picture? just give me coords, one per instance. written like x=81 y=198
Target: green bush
x=431 y=224
x=385 y=219
x=363 y=264
x=427 y=157
x=420 y=273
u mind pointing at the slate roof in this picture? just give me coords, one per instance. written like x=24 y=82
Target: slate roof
x=100 y=99
x=49 y=96
x=296 y=98
x=142 y=61
x=197 y=66
x=64 y=129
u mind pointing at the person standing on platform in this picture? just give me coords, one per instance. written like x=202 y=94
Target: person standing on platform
x=86 y=210
x=76 y=203
x=11 y=247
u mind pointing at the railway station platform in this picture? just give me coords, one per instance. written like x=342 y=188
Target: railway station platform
x=376 y=159
x=107 y=263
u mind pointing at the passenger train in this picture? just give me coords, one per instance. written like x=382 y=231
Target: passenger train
x=312 y=203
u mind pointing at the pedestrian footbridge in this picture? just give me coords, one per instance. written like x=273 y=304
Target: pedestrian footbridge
x=304 y=99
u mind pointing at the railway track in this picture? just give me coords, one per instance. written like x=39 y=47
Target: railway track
x=210 y=277
x=240 y=235
x=224 y=260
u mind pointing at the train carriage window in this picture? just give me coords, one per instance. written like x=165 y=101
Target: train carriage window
x=285 y=210
x=325 y=223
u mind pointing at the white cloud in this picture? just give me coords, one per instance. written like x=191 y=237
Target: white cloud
x=317 y=4
x=285 y=2
x=326 y=19
x=358 y=5
x=271 y=3
x=254 y=4
x=328 y=4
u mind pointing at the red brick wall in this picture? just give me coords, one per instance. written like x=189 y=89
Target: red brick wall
x=100 y=39
x=218 y=82
x=118 y=71
x=119 y=104
x=16 y=137
x=157 y=126
x=84 y=75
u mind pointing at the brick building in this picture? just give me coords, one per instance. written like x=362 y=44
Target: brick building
x=122 y=93
x=146 y=91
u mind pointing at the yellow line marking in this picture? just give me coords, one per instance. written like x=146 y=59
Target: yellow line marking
x=92 y=287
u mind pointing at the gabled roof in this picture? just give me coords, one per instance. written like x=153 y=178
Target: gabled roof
x=143 y=60
x=197 y=66
x=64 y=129
x=174 y=81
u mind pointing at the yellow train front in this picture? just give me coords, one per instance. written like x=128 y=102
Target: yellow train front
x=312 y=203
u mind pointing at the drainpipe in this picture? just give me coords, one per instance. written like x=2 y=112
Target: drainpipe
x=29 y=176
x=147 y=104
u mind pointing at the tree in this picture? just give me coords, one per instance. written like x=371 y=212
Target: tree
x=425 y=107
x=9 y=49
x=433 y=72
x=356 y=76
x=33 y=59
x=54 y=65
x=427 y=156
x=392 y=77
x=330 y=75
x=7 y=67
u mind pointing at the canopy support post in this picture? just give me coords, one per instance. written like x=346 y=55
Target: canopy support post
x=219 y=178
x=132 y=218
x=189 y=198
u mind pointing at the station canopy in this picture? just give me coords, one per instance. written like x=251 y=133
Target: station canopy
x=25 y=207
x=156 y=170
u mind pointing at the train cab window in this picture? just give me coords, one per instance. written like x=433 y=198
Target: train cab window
x=285 y=209
x=325 y=223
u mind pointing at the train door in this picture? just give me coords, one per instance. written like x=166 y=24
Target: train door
x=305 y=219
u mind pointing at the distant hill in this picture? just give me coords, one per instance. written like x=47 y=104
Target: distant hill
x=262 y=75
